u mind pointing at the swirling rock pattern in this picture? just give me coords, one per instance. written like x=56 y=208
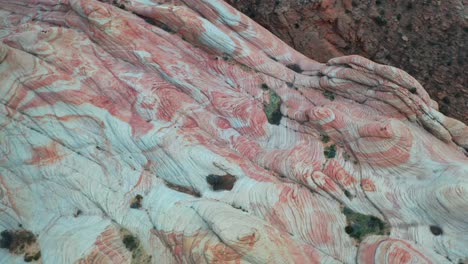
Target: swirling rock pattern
x=145 y=131
x=425 y=38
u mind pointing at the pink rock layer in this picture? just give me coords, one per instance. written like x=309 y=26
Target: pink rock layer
x=139 y=132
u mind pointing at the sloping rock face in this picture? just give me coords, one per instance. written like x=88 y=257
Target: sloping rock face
x=425 y=38
x=183 y=132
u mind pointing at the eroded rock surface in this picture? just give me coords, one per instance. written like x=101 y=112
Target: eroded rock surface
x=426 y=38
x=183 y=132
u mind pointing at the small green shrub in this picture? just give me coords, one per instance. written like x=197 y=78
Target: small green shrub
x=226 y=57
x=329 y=95
x=348 y=194
x=272 y=109
x=136 y=202
x=361 y=225
x=130 y=242
x=330 y=151
x=325 y=138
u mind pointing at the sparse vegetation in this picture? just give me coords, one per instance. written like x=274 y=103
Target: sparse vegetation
x=325 y=138
x=348 y=194
x=272 y=109
x=361 y=225
x=20 y=242
x=16 y=240
x=265 y=86
x=329 y=95
x=413 y=90
x=6 y=239
x=330 y=151
x=136 y=202
x=32 y=257
x=226 y=57
x=380 y=21
x=130 y=242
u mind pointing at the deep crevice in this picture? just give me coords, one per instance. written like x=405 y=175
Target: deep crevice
x=182 y=189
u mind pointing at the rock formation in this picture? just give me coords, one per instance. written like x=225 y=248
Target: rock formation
x=145 y=131
x=426 y=38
